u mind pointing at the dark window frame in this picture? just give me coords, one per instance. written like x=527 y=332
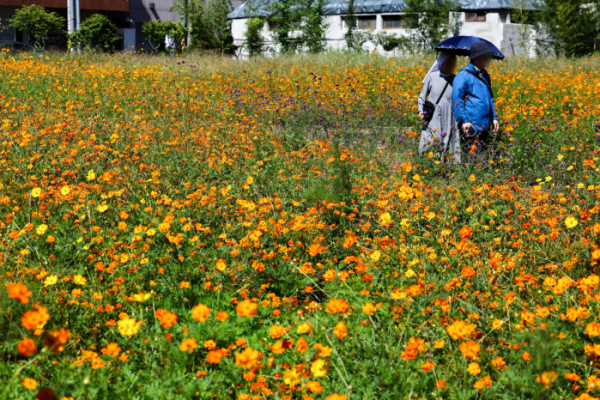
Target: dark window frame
x=403 y=22
x=361 y=18
x=480 y=16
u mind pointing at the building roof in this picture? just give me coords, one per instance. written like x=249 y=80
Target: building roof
x=260 y=8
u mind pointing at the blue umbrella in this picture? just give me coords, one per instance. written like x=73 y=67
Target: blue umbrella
x=461 y=46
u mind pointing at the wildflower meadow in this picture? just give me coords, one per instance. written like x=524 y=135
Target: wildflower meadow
x=202 y=228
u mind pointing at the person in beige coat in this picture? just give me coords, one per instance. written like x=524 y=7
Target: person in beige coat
x=439 y=134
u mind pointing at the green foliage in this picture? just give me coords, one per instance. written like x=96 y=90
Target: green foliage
x=430 y=21
x=95 y=33
x=210 y=27
x=391 y=42
x=566 y=28
x=284 y=20
x=314 y=27
x=38 y=23
x=156 y=32
x=254 y=40
x=351 y=27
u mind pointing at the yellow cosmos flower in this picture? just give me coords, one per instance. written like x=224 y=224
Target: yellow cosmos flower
x=291 y=377
x=65 y=190
x=102 y=208
x=80 y=280
x=51 y=280
x=375 y=256
x=319 y=368
x=36 y=192
x=385 y=219
x=41 y=229
x=129 y=326
x=141 y=297
x=91 y=175
x=571 y=222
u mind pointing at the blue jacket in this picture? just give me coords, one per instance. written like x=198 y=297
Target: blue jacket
x=472 y=101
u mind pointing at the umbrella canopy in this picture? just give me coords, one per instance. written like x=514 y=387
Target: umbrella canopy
x=461 y=46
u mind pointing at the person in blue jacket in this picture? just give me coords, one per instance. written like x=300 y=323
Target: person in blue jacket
x=473 y=101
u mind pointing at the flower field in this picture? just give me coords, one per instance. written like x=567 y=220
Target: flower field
x=267 y=230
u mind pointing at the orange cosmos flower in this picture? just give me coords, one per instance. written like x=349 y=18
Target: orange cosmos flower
x=26 y=347
x=314 y=386
x=222 y=316
x=427 y=366
x=210 y=344
x=247 y=358
x=593 y=329
x=20 y=292
x=335 y=306
x=499 y=363
x=34 y=318
x=200 y=313
x=546 y=378
x=369 y=309
x=340 y=330
x=215 y=356
x=465 y=232
x=29 y=384
x=414 y=347
x=316 y=249
x=57 y=339
x=474 y=369
x=468 y=272
x=460 y=330
x=572 y=376
x=470 y=349
x=336 y=396
x=302 y=345
x=484 y=382
x=246 y=309
x=188 y=345
x=166 y=318
x=111 y=349
x=277 y=331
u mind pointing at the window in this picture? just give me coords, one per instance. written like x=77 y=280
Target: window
x=394 y=22
x=475 y=17
x=367 y=22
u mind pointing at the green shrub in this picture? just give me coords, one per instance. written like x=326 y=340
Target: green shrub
x=253 y=36
x=38 y=23
x=157 y=31
x=95 y=33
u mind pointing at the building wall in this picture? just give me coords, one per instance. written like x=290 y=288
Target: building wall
x=490 y=29
x=140 y=12
x=334 y=34
x=7 y=33
x=497 y=29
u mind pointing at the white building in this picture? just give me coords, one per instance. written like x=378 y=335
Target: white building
x=487 y=19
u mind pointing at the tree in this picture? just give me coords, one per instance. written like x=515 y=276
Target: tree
x=430 y=22
x=284 y=19
x=156 y=32
x=253 y=37
x=313 y=26
x=211 y=29
x=38 y=23
x=568 y=28
x=95 y=33
x=351 y=26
